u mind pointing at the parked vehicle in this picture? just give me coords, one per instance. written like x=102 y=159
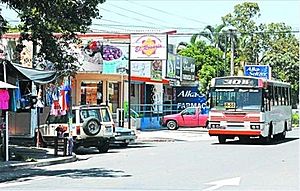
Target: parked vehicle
x=92 y=126
x=189 y=117
x=123 y=136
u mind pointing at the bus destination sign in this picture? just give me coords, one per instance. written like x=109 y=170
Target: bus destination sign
x=236 y=82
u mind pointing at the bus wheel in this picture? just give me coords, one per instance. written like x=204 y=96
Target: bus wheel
x=268 y=139
x=222 y=139
x=244 y=139
x=282 y=135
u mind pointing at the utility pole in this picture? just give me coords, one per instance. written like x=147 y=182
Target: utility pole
x=232 y=52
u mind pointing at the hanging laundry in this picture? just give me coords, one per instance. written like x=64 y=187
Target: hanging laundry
x=4 y=99
x=18 y=95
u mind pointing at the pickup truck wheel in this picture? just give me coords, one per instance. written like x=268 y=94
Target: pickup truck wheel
x=103 y=148
x=91 y=126
x=172 y=125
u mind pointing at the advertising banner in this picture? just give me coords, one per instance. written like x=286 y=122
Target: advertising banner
x=178 y=67
x=188 y=96
x=260 y=71
x=148 y=47
x=156 y=70
x=141 y=68
x=114 y=56
x=188 y=68
x=171 y=70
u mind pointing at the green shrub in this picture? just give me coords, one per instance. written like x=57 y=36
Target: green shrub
x=295 y=119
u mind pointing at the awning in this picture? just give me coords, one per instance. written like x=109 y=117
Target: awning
x=5 y=85
x=23 y=73
x=147 y=79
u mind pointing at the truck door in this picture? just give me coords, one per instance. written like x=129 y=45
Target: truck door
x=190 y=117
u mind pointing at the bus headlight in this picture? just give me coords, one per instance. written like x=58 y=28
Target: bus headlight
x=215 y=126
x=255 y=126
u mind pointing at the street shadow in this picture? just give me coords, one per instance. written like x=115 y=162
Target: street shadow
x=112 y=148
x=136 y=145
x=256 y=141
x=30 y=173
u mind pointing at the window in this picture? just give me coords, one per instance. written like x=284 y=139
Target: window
x=91 y=92
x=189 y=111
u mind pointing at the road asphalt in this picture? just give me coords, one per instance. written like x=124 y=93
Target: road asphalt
x=28 y=157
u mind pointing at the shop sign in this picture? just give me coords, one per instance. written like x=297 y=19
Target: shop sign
x=187 y=96
x=260 y=71
x=148 y=47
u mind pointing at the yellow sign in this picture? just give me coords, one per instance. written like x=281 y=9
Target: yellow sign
x=229 y=105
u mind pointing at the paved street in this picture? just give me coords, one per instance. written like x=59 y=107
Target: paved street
x=175 y=165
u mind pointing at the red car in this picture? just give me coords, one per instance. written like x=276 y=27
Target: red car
x=189 y=117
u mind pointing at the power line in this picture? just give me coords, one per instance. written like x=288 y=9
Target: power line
x=140 y=14
x=126 y=16
x=168 y=13
x=141 y=26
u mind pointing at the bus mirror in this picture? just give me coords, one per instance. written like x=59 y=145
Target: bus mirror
x=207 y=104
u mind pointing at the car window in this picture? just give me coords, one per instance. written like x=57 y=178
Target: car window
x=189 y=111
x=52 y=119
x=105 y=115
x=86 y=113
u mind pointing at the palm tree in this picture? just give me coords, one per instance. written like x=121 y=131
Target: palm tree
x=214 y=35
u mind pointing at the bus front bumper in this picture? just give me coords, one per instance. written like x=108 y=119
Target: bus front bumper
x=217 y=132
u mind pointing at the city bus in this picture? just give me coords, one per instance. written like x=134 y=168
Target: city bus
x=249 y=107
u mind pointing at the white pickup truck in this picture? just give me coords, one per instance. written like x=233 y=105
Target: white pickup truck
x=92 y=126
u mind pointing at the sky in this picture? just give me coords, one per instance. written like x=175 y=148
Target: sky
x=180 y=15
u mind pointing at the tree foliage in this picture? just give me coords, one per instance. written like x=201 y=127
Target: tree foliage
x=209 y=62
x=40 y=19
x=271 y=44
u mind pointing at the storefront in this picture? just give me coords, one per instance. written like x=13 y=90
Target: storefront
x=94 y=88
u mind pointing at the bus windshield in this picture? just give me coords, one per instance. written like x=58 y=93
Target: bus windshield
x=236 y=99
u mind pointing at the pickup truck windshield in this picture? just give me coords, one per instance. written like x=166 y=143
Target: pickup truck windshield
x=236 y=99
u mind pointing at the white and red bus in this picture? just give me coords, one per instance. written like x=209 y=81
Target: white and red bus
x=246 y=107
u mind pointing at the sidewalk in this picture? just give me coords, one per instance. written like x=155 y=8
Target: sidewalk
x=28 y=157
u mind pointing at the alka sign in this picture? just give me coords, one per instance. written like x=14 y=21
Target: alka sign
x=189 y=97
x=260 y=71
x=148 y=47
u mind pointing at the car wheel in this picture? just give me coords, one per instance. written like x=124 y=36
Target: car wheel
x=172 y=125
x=103 y=148
x=91 y=126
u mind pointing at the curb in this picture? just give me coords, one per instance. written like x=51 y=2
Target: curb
x=46 y=162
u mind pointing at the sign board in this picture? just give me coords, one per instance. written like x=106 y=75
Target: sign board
x=236 y=81
x=189 y=96
x=188 y=68
x=260 y=71
x=148 y=47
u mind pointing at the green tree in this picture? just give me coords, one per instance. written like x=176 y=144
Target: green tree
x=214 y=35
x=208 y=60
x=40 y=19
x=271 y=44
